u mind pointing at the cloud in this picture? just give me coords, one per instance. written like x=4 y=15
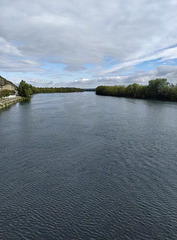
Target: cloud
x=161 y=55
x=79 y=33
x=8 y=49
x=73 y=68
x=9 y=64
x=141 y=77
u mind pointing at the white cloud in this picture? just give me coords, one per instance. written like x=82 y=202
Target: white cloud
x=18 y=65
x=77 y=33
x=163 y=55
x=73 y=68
x=8 y=49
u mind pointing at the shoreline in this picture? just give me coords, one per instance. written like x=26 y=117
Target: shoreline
x=6 y=102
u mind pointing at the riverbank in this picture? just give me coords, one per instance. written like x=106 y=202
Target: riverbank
x=6 y=102
x=158 y=89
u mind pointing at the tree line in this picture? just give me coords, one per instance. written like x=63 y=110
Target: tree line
x=156 y=89
x=25 y=89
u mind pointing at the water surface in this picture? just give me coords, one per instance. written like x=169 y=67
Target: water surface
x=81 y=166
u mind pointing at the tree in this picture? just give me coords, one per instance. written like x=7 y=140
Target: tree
x=156 y=87
x=24 y=89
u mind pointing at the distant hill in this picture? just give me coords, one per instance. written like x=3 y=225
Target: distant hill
x=6 y=85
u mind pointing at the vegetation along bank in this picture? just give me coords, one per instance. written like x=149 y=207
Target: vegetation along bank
x=25 y=89
x=156 y=89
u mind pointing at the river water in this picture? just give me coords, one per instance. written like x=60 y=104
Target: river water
x=82 y=166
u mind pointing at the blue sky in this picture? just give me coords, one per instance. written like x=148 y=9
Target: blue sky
x=88 y=43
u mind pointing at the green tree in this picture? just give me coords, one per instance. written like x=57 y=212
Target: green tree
x=157 y=87
x=24 y=89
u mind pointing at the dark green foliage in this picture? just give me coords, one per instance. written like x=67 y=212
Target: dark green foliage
x=157 y=89
x=24 y=89
x=6 y=93
x=173 y=93
x=56 y=90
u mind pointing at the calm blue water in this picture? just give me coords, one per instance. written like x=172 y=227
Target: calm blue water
x=81 y=166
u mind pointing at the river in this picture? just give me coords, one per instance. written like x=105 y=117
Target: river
x=81 y=166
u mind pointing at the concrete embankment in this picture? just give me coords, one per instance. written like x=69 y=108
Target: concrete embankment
x=6 y=102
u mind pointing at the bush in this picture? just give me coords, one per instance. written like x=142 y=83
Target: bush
x=5 y=93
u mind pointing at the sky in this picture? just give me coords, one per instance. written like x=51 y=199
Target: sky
x=86 y=43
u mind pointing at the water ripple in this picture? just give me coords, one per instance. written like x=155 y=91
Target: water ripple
x=103 y=169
